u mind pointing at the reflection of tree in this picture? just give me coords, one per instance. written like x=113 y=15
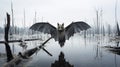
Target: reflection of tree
x=98 y=50
x=85 y=41
x=61 y=62
x=115 y=61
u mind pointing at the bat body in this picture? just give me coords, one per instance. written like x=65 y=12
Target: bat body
x=60 y=33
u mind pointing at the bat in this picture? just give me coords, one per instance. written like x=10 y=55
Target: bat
x=61 y=33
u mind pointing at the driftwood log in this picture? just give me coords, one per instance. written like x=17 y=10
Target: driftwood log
x=11 y=41
x=25 y=55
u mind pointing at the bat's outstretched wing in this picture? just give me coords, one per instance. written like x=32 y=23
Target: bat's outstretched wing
x=75 y=27
x=45 y=27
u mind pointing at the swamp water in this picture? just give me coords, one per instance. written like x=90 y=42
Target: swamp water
x=78 y=51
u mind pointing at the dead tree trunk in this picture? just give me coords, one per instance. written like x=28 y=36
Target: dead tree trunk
x=7 y=47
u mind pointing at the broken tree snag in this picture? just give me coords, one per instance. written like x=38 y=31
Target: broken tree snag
x=7 y=47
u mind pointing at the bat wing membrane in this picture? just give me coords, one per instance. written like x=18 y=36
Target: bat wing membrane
x=45 y=27
x=75 y=27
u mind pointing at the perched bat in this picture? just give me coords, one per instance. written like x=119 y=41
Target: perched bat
x=60 y=33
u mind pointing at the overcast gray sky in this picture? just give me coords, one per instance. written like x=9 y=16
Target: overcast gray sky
x=58 y=11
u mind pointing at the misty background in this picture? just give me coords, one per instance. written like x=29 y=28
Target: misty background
x=58 y=11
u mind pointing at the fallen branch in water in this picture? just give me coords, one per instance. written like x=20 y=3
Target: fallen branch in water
x=26 y=55
x=11 y=41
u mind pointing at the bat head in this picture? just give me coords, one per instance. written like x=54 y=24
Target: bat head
x=60 y=27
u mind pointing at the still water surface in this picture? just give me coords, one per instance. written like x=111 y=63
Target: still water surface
x=78 y=51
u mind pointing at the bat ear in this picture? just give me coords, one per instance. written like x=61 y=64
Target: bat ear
x=63 y=24
x=58 y=24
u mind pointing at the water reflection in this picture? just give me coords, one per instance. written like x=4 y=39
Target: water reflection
x=80 y=51
x=61 y=62
x=2 y=55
